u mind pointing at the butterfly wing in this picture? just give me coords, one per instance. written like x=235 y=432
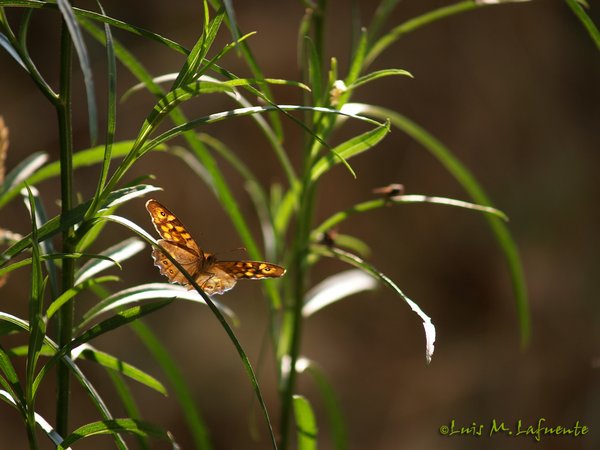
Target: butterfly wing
x=177 y=242
x=214 y=277
x=251 y=270
x=221 y=276
x=170 y=227
x=216 y=280
x=187 y=259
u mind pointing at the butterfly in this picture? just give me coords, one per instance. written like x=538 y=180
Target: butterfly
x=212 y=275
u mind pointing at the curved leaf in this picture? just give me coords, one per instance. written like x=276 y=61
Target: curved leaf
x=117 y=426
x=84 y=62
x=182 y=391
x=361 y=264
x=336 y=287
x=39 y=420
x=90 y=353
x=150 y=291
x=85 y=383
x=114 y=254
x=333 y=408
x=306 y=424
x=70 y=293
x=350 y=148
x=470 y=184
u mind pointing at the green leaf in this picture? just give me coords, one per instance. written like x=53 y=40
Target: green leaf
x=476 y=192
x=83 y=381
x=10 y=381
x=333 y=221
x=357 y=61
x=335 y=288
x=84 y=62
x=6 y=45
x=189 y=70
x=114 y=254
x=333 y=408
x=150 y=291
x=122 y=367
x=83 y=158
x=23 y=171
x=129 y=404
x=349 y=148
x=182 y=391
x=585 y=20
x=363 y=265
x=37 y=329
x=138 y=427
x=112 y=323
x=46 y=246
x=306 y=424
x=38 y=419
x=75 y=216
x=314 y=72
x=111 y=113
x=70 y=293
x=378 y=74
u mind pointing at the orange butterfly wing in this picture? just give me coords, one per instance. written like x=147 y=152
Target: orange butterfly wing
x=214 y=277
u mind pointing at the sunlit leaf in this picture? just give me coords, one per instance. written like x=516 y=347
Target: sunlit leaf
x=337 y=287
x=306 y=424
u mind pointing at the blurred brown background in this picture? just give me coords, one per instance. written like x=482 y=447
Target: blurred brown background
x=513 y=91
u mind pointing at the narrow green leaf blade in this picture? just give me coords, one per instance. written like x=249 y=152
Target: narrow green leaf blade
x=118 y=365
x=348 y=149
x=70 y=293
x=117 y=426
x=37 y=325
x=361 y=264
x=306 y=424
x=182 y=391
x=585 y=20
x=335 y=288
x=333 y=408
x=84 y=62
x=116 y=253
x=477 y=193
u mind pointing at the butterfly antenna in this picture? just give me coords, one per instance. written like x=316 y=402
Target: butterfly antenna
x=239 y=249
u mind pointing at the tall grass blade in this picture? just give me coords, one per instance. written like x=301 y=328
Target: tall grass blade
x=182 y=391
x=46 y=246
x=335 y=288
x=333 y=408
x=361 y=264
x=6 y=45
x=79 y=376
x=10 y=382
x=585 y=20
x=116 y=253
x=306 y=424
x=39 y=420
x=84 y=62
x=115 y=364
x=23 y=171
x=473 y=188
x=117 y=426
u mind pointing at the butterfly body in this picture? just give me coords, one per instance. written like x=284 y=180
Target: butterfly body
x=212 y=275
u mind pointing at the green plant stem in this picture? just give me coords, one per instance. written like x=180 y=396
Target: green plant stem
x=292 y=319
x=65 y=318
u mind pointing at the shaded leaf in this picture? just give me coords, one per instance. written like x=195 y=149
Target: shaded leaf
x=111 y=362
